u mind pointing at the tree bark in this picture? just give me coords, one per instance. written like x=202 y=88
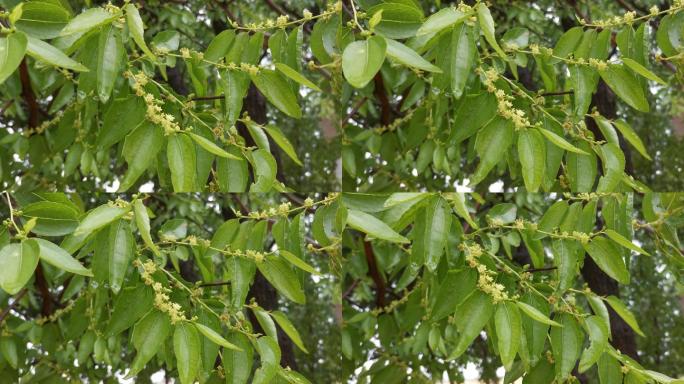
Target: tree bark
x=622 y=335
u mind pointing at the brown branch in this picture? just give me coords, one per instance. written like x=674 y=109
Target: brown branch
x=42 y=285
x=570 y=92
x=280 y=9
x=351 y=288
x=354 y=110
x=5 y=312
x=216 y=97
x=5 y=106
x=218 y=283
x=541 y=269
x=243 y=208
x=381 y=95
x=28 y=95
x=375 y=274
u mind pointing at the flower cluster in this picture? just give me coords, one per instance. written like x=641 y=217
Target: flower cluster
x=504 y=103
x=396 y=123
x=487 y=284
x=244 y=67
x=154 y=112
x=162 y=301
x=396 y=303
x=598 y=64
x=485 y=281
x=56 y=314
x=283 y=21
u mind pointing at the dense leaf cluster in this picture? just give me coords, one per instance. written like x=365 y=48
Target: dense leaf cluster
x=400 y=278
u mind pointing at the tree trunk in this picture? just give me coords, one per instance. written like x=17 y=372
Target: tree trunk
x=622 y=335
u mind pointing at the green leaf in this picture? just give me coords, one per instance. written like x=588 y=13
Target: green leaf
x=631 y=137
x=131 y=304
x=296 y=76
x=532 y=154
x=462 y=54
x=269 y=354
x=108 y=59
x=640 y=69
x=609 y=370
x=18 y=262
x=211 y=147
x=658 y=377
x=608 y=258
x=289 y=329
x=361 y=60
x=140 y=150
x=461 y=209
x=297 y=262
x=265 y=168
x=372 y=226
x=535 y=314
x=220 y=45
x=582 y=169
x=142 y=222
x=599 y=308
x=215 y=337
x=12 y=49
x=408 y=56
x=431 y=231
x=186 y=347
x=566 y=344
x=452 y=292
x=583 y=81
x=618 y=238
x=626 y=315
x=238 y=364
x=277 y=91
x=565 y=258
x=232 y=175
x=508 y=329
x=484 y=17
x=625 y=86
x=566 y=44
x=471 y=317
x=497 y=134
x=53 y=254
x=398 y=20
x=121 y=246
x=43 y=51
x=180 y=152
x=42 y=19
x=282 y=278
x=235 y=85
x=99 y=217
x=440 y=20
x=148 y=337
x=282 y=142
x=598 y=337
x=87 y=20
x=53 y=218
x=265 y=321
x=613 y=161
x=560 y=142
x=135 y=26
x=122 y=117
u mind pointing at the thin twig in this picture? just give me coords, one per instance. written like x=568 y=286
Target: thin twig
x=17 y=297
x=216 y=97
x=570 y=92
x=215 y=284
